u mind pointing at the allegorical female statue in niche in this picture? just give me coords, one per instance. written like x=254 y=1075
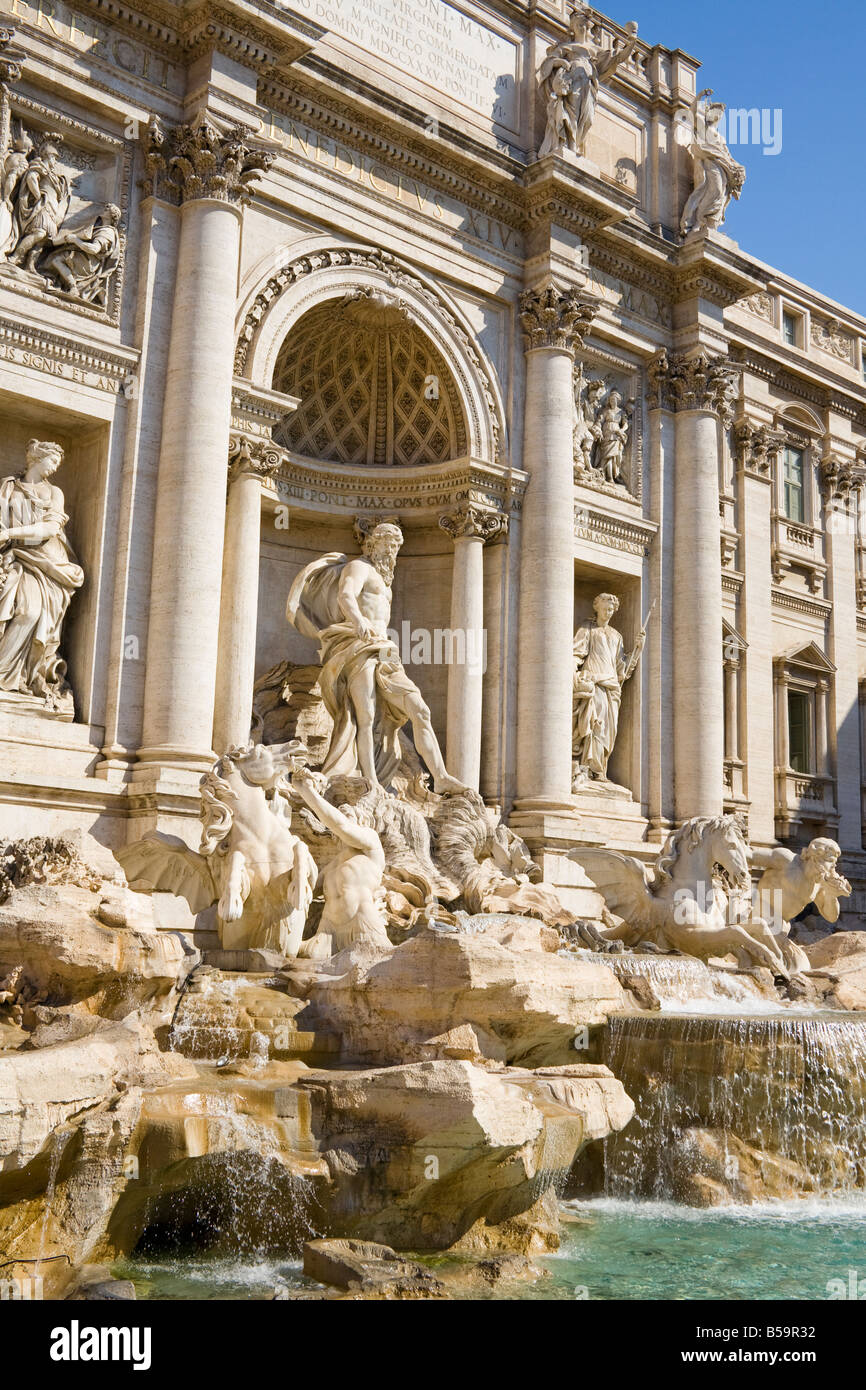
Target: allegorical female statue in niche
x=38 y=576
x=601 y=669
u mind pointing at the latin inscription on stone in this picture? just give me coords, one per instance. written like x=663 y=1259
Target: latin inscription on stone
x=435 y=43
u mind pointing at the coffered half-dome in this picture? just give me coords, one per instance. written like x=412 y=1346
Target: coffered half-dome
x=374 y=391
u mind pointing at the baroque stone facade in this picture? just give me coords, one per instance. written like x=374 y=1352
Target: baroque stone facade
x=262 y=305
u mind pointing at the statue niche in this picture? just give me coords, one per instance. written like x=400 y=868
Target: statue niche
x=38 y=576
x=373 y=390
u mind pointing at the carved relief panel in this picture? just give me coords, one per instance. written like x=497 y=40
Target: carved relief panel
x=608 y=433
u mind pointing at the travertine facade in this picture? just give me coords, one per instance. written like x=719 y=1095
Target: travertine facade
x=298 y=270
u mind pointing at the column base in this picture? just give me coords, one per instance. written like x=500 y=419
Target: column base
x=172 y=762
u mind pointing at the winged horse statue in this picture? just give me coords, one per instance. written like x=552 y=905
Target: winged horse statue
x=260 y=875
x=697 y=899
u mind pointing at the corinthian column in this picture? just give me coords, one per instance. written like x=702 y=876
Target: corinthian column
x=554 y=323
x=702 y=391
x=249 y=462
x=469 y=527
x=208 y=169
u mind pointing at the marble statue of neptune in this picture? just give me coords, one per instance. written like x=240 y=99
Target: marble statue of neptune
x=345 y=605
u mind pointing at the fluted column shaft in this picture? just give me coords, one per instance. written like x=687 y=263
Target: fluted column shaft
x=469 y=527
x=701 y=390
x=553 y=324
x=209 y=169
x=250 y=462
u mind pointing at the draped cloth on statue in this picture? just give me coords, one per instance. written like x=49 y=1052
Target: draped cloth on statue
x=37 y=580
x=313 y=607
x=600 y=672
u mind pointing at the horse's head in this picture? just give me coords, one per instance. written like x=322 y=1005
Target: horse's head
x=728 y=849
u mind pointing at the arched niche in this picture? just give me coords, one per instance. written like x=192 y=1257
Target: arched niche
x=373 y=390
x=329 y=279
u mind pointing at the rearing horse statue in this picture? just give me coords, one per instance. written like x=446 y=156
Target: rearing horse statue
x=697 y=899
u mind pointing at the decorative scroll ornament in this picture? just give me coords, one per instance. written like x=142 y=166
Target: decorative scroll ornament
x=473 y=522
x=258 y=457
x=202 y=160
x=757 y=447
x=554 y=318
x=841 y=477
x=694 y=383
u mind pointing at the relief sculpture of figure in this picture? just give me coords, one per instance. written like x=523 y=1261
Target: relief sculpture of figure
x=570 y=76
x=38 y=576
x=345 y=605
x=43 y=202
x=15 y=166
x=601 y=669
x=718 y=176
x=588 y=397
x=613 y=429
x=84 y=261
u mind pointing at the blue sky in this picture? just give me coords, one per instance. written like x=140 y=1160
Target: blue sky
x=803 y=210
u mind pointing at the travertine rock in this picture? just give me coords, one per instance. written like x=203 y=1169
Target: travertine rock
x=837 y=948
x=369 y=1267
x=71 y=958
x=431 y=1154
x=715 y=1168
x=387 y=1008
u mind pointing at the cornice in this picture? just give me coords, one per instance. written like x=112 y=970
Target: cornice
x=259 y=34
x=68 y=348
x=460 y=177
x=836 y=394
x=406 y=492
x=630 y=534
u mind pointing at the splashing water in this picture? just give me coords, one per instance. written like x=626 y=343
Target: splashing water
x=791 y=1088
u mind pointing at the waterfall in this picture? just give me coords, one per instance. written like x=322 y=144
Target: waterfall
x=732 y=1108
x=241 y=1190
x=682 y=982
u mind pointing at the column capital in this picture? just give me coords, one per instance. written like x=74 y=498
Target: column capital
x=259 y=458
x=202 y=159
x=475 y=523
x=12 y=58
x=841 y=477
x=700 y=382
x=554 y=318
x=757 y=448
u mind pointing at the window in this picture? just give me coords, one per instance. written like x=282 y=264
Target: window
x=790 y=328
x=799 y=731
x=793 y=489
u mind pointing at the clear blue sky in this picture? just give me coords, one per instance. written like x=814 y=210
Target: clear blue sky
x=804 y=210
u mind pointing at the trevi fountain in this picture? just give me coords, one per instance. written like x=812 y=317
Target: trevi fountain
x=432 y=734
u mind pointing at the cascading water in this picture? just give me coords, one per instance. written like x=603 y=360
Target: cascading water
x=240 y=1192
x=738 y=1107
x=684 y=983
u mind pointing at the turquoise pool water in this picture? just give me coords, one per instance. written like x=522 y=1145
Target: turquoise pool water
x=613 y=1250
